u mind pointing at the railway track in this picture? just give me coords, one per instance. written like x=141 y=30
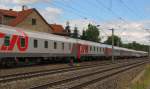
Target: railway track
x=76 y=82
x=20 y=76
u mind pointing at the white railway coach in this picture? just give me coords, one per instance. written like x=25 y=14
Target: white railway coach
x=17 y=44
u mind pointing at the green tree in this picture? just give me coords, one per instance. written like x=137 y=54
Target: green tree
x=83 y=36
x=91 y=34
x=75 y=33
x=136 y=46
x=67 y=28
x=117 y=41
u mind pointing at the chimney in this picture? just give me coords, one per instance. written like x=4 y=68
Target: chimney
x=24 y=7
x=10 y=9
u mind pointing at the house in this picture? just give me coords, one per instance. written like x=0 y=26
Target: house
x=58 y=30
x=29 y=19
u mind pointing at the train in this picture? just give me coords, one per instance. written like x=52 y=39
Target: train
x=19 y=45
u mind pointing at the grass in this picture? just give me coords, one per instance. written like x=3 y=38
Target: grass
x=144 y=81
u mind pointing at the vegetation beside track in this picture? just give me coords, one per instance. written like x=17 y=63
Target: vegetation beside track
x=144 y=81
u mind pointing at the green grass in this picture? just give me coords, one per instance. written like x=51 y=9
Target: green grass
x=144 y=81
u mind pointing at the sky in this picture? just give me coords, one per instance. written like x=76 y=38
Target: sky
x=129 y=18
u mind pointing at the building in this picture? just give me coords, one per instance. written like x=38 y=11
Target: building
x=27 y=19
x=30 y=19
x=58 y=30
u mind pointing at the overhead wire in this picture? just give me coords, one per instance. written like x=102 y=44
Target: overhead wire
x=136 y=14
x=86 y=11
x=76 y=13
x=82 y=14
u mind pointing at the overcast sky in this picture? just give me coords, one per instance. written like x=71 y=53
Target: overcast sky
x=129 y=18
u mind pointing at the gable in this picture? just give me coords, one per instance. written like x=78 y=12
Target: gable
x=41 y=24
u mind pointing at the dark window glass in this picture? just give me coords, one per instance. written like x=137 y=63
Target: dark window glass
x=33 y=21
x=46 y=44
x=94 y=48
x=63 y=46
x=35 y=43
x=7 y=41
x=55 y=45
x=90 y=48
x=97 y=49
x=70 y=46
x=22 y=40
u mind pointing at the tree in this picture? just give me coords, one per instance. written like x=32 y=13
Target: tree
x=75 y=33
x=136 y=46
x=91 y=34
x=83 y=36
x=117 y=41
x=67 y=28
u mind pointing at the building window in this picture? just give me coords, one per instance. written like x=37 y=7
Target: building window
x=35 y=43
x=55 y=45
x=63 y=46
x=46 y=44
x=33 y=21
x=22 y=40
x=97 y=49
x=7 y=41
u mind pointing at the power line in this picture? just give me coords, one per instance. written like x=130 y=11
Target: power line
x=131 y=10
x=71 y=9
x=109 y=9
x=76 y=13
x=86 y=11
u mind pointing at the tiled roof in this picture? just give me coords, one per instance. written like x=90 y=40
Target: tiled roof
x=8 y=12
x=57 y=29
x=19 y=15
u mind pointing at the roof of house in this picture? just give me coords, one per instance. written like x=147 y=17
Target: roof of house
x=8 y=12
x=58 y=29
x=19 y=15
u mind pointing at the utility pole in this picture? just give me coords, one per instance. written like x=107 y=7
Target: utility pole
x=149 y=52
x=112 y=45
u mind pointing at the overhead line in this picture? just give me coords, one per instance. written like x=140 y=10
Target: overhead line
x=85 y=10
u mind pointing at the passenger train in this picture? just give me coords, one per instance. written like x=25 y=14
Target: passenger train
x=20 y=45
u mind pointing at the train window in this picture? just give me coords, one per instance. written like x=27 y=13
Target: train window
x=35 y=43
x=22 y=40
x=100 y=49
x=103 y=49
x=94 y=48
x=63 y=46
x=97 y=49
x=46 y=44
x=70 y=46
x=7 y=40
x=55 y=45
x=90 y=48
